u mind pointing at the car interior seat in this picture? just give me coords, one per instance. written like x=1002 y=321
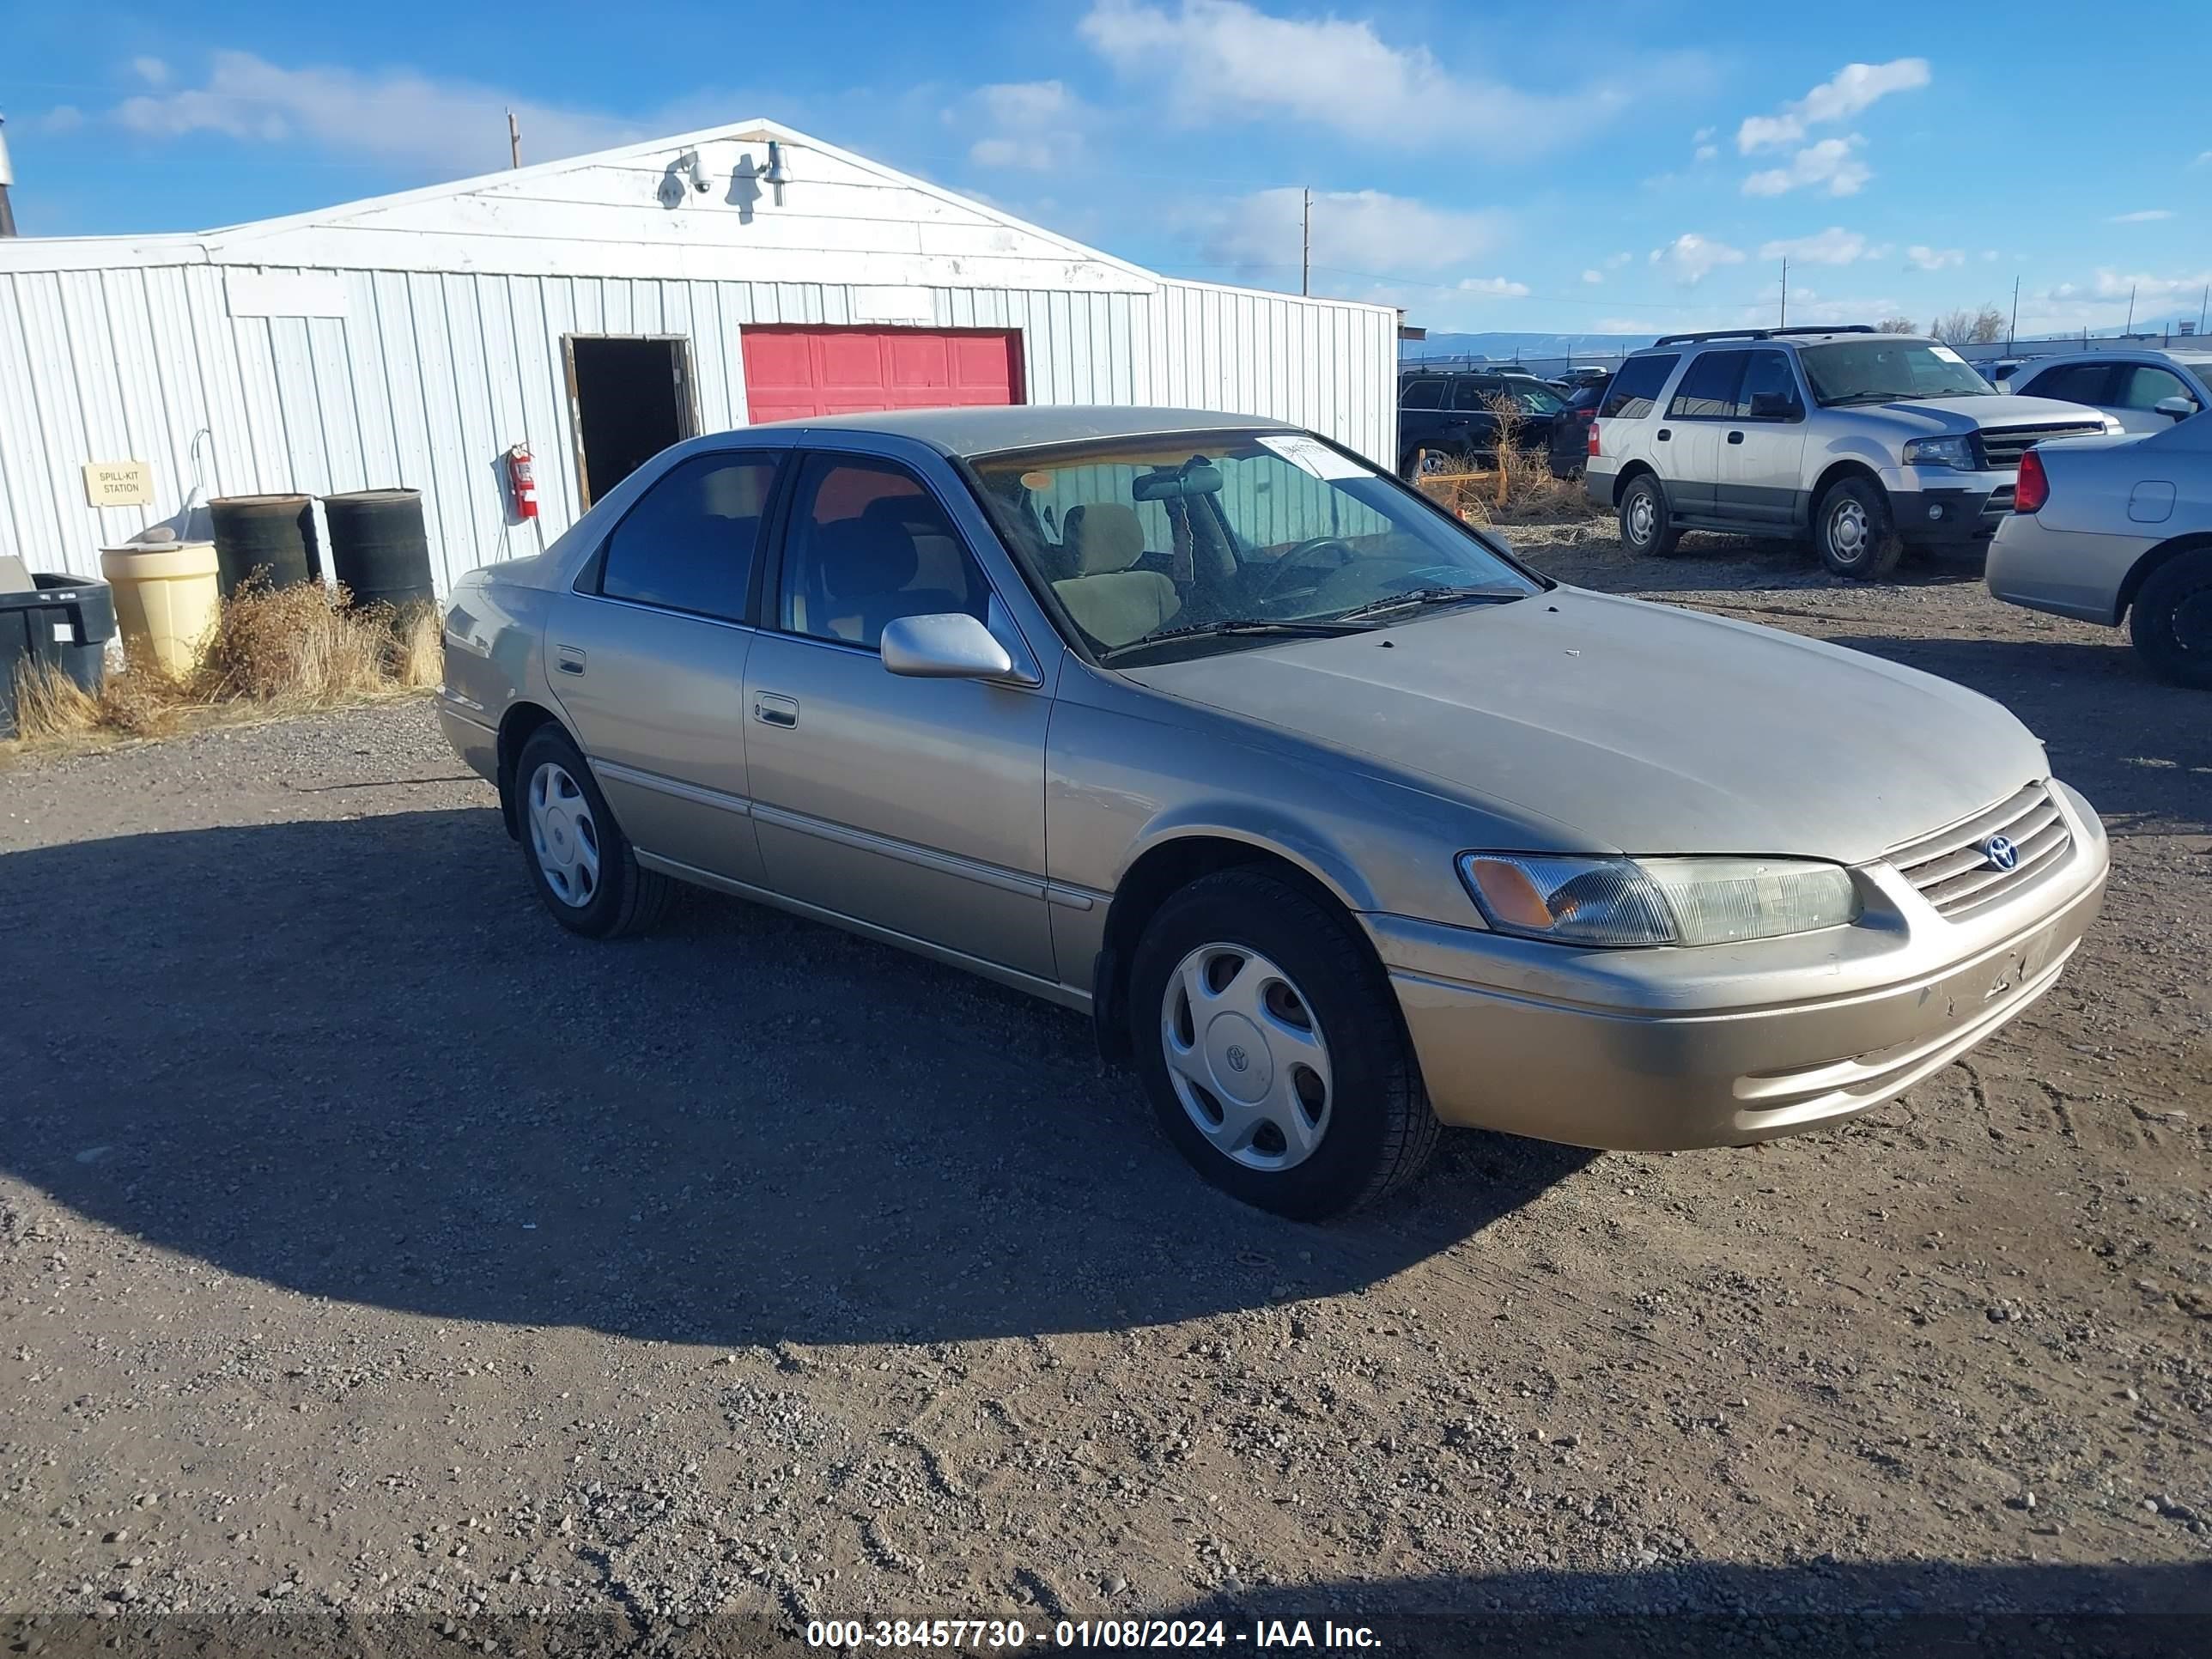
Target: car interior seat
x=1112 y=602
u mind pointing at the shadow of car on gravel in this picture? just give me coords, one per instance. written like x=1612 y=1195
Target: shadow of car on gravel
x=2136 y=746
x=355 y=1059
x=1922 y=1610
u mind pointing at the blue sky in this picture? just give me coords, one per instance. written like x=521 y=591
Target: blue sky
x=1557 y=167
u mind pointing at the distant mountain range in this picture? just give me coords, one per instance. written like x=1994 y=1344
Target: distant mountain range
x=1507 y=346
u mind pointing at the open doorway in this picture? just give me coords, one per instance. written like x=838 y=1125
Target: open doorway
x=630 y=399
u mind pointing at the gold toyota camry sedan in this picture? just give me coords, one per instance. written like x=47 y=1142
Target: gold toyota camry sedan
x=1339 y=822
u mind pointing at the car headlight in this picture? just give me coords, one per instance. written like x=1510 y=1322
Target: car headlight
x=1940 y=452
x=1632 y=902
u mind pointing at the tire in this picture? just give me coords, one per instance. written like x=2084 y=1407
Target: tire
x=583 y=868
x=2171 y=622
x=1646 y=529
x=1275 y=954
x=1854 y=532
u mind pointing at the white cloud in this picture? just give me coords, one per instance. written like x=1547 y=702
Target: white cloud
x=1690 y=258
x=1707 y=152
x=396 y=115
x=1934 y=258
x=1593 y=275
x=1853 y=89
x=1833 y=246
x=2108 y=299
x=1217 y=59
x=1036 y=125
x=62 y=117
x=1615 y=261
x=1362 y=230
x=1829 y=165
x=1989 y=254
x=2148 y=215
x=1703 y=135
x=2203 y=158
x=1497 y=286
x=2147 y=288
x=152 y=71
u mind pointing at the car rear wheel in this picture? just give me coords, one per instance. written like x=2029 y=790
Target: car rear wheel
x=1854 y=532
x=1646 y=528
x=2172 y=621
x=582 y=866
x=1272 y=1050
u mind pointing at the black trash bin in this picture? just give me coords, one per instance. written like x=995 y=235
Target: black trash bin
x=272 y=535
x=63 y=622
x=379 y=550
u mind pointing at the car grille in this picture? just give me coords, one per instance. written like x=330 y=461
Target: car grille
x=1952 y=869
x=2003 y=445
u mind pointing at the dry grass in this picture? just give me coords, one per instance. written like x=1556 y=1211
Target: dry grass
x=1517 y=488
x=272 y=651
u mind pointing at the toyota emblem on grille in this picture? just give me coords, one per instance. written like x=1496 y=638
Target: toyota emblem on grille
x=2001 y=852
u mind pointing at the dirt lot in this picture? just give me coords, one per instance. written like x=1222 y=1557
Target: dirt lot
x=366 y=1243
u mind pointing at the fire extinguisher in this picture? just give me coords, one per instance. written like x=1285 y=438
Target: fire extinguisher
x=522 y=481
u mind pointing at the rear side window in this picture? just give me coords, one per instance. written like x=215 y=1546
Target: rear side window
x=1636 y=389
x=1473 y=394
x=689 y=543
x=1422 y=394
x=2076 y=383
x=1708 y=388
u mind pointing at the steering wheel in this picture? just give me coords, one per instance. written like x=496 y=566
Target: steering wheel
x=1300 y=557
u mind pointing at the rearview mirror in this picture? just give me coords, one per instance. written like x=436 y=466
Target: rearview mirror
x=953 y=645
x=2175 y=409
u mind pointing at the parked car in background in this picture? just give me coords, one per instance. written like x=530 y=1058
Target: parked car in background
x=1867 y=443
x=1336 y=818
x=2143 y=390
x=1571 y=429
x=2110 y=530
x=1447 y=419
x=1587 y=375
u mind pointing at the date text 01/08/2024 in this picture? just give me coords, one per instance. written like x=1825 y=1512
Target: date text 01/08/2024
x=1002 y=1634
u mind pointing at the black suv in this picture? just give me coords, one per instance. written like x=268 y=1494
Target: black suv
x=1445 y=416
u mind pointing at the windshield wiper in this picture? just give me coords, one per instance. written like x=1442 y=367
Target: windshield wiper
x=1319 y=629
x=1420 y=596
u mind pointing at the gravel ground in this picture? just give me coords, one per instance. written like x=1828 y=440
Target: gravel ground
x=367 y=1243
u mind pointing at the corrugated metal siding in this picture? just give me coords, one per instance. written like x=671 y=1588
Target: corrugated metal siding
x=430 y=376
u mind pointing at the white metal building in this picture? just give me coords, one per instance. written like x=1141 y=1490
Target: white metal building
x=595 y=309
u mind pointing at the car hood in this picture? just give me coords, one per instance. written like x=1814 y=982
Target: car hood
x=1644 y=728
x=1923 y=416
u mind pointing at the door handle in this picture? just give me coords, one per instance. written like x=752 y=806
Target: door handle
x=570 y=659
x=1664 y=434
x=1735 y=437
x=771 y=709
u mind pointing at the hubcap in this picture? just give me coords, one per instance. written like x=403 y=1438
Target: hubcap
x=563 y=835
x=1247 y=1057
x=1641 y=515
x=1847 y=530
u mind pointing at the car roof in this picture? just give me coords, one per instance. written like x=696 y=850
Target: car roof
x=2126 y=354
x=981 y=431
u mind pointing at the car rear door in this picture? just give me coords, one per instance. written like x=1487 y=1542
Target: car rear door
x=913 y=805
x=2075 y=383
x=1690 y=437
x=646 y=655
x=1761 y=454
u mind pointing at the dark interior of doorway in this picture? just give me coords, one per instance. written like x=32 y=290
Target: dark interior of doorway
x=632 y=402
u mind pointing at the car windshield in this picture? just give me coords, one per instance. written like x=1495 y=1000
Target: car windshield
x=1886 y=369
x=1204 y=541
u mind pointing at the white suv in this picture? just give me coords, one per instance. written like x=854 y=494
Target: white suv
x=1867 y=443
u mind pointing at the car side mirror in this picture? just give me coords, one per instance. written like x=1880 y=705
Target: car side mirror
x=2175 y=409
x=953 y=645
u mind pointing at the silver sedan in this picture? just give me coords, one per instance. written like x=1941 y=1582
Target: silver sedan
x=1338 y=821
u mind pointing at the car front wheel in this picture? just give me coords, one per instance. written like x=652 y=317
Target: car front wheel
x=582 y=866
x=2172 y=621
x=1272 y=1050
x=1854 y=532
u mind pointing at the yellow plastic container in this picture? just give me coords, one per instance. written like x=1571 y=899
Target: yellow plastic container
x=166 y=595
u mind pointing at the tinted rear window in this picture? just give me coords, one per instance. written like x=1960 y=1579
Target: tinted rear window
x=688 y=542
x=1708 y=388
x=1636 y=389
x=1422 y=394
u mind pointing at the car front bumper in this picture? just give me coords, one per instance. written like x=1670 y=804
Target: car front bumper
x=1666 y=1050
x=1941 y=507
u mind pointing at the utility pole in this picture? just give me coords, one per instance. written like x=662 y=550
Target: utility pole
x=2012 y=329
x=6 y=178
x=2201 y=300
x=1305 y=246
x=2131 y=326
x=1785 y=323
x=514 y=141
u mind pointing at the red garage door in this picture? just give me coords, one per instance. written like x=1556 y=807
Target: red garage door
x=791 y=372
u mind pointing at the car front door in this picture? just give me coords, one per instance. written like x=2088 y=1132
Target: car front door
x=2139 y=389
x=646 y=655
x=1690 y=436
x=1762 y=451
x=913 y=805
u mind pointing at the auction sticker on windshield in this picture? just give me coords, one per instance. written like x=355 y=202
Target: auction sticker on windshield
x=1947 y=354
x=1309 y=455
